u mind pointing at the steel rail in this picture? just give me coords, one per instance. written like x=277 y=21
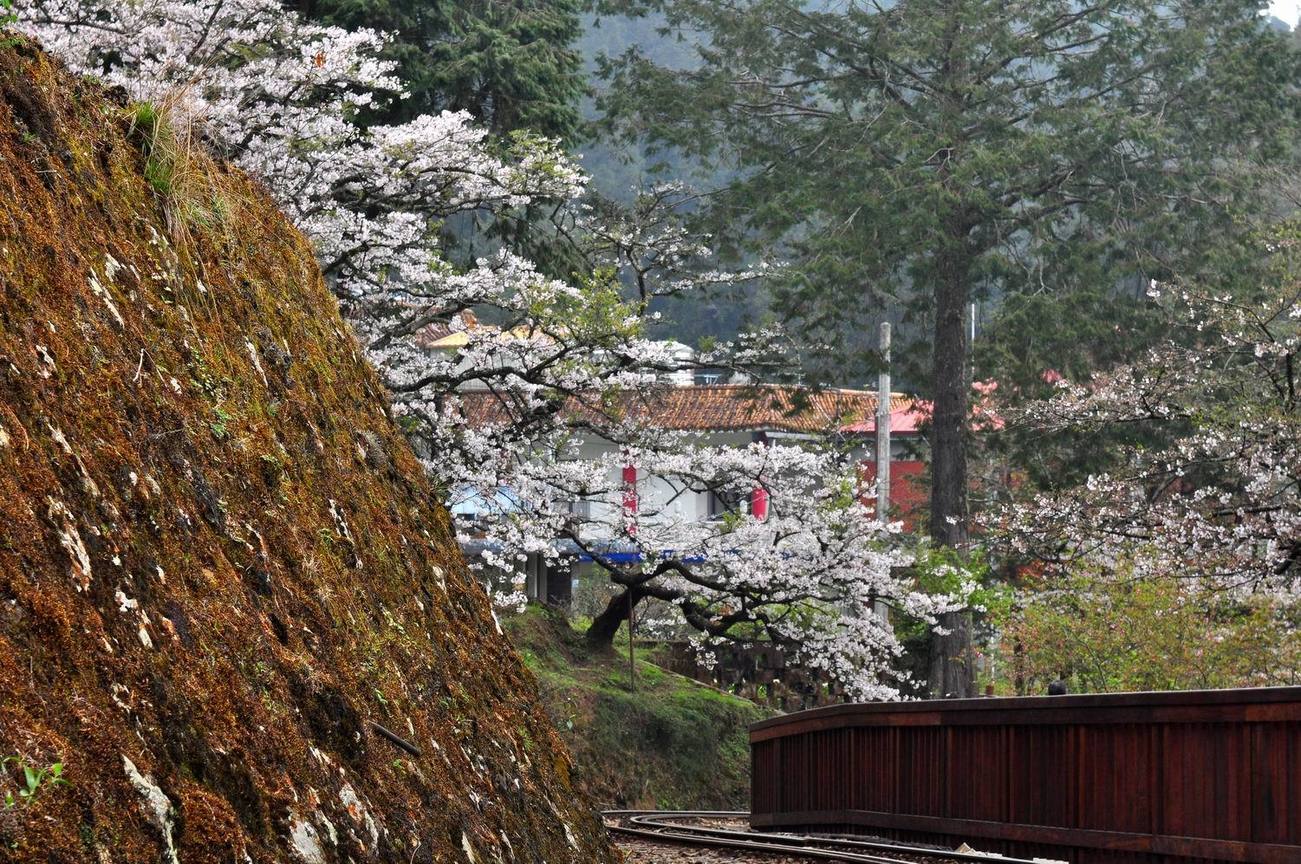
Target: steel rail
x=839 y=842
x=694 y=839
x=664 y=825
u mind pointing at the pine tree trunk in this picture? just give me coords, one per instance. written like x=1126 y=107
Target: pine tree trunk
x=951 y=671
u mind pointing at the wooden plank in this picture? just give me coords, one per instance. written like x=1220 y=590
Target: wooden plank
x=1196 y=698
x=814 y=721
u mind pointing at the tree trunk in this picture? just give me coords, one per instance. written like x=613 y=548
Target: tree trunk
x=952 y=674
x=951 y=670
x=605 y=625
x=948 y=525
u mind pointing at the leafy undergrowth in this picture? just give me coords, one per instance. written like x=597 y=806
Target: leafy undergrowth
x=670 y=743
x=220 y=564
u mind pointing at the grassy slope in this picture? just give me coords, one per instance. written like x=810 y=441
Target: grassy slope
x=670 y=743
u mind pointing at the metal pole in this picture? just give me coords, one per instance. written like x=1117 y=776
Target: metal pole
x=883 y=447
x=883 y=429
x=632 y=663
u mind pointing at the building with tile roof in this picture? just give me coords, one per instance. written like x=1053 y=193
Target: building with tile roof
x=724 y=415
x=735 y=408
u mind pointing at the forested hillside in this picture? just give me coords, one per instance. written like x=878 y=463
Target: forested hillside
x=618 y=169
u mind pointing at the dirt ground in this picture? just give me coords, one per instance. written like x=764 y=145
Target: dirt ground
x=644 y=852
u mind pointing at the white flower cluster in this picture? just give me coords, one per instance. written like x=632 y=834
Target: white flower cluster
x=1218 y=499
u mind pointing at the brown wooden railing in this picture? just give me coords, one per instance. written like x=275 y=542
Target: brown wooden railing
x=1128 y=778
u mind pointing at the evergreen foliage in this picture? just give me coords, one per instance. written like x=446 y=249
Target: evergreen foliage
x=512 y=65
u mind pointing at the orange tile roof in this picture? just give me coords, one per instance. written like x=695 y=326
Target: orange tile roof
x=438 y=335
x=442 y=335
x=734 y=408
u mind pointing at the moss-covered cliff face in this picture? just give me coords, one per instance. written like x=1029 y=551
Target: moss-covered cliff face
x=220 y=564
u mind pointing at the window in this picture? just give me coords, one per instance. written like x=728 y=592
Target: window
x=723 y=501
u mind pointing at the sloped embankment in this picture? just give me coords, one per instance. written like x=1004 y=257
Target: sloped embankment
x=668 y=742
x=220 y=564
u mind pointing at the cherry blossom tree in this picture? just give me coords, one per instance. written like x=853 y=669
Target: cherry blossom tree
x=1217 y=502
x=280 y=96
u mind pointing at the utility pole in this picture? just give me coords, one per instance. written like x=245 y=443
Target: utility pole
x=883 y=447
x=632 y=660
x=883 y=429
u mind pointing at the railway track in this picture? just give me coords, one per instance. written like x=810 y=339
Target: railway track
x=691 y=827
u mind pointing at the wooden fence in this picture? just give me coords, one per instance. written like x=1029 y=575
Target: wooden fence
x=1130 y=778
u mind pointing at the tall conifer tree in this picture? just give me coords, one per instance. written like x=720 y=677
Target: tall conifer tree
x=927 y=153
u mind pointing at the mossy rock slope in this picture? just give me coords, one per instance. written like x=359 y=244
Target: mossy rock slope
x=220 y=564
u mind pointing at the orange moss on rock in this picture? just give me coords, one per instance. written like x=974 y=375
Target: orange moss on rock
x=219 y=559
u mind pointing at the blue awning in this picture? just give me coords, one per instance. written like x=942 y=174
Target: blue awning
x=609 y=551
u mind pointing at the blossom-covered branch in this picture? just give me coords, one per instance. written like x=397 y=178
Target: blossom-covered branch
x=1220 y=500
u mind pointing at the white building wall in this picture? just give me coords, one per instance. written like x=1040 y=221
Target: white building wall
x=659 y=496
